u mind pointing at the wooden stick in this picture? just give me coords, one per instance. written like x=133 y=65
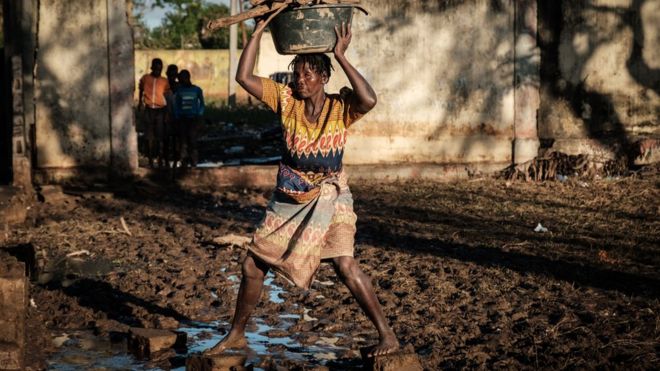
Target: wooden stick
x=257 y=11
x=306 y=2
x=123 y=224
x=340 y=1
x=263 y=9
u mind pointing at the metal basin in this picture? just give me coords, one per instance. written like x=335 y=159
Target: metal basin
x=309 y=29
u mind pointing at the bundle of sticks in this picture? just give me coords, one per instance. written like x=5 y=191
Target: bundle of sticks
x=270 y=8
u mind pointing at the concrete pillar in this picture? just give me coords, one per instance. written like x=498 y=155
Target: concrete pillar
x=121 y=71
x=13 y=304
x=17 y=47
x=20 y=150
x=233 y=58
x=526 y=82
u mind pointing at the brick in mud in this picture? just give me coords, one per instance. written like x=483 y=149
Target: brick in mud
x=13 y=306
x=11 y=357
x=218 y=362
x=144 y=343
x=403 y=360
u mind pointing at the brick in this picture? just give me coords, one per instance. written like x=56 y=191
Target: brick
x=13 y=305
x=144 y=343
x=51 y=194
x=11 y=356
x=219 y=362
x=404 y=360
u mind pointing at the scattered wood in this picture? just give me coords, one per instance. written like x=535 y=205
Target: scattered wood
x=271 y=7
x=232 y=240
x=123 y=224
x=404 y=359
x=559 y=166
x=79 y=252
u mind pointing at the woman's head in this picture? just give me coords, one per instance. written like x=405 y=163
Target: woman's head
x=310 y=73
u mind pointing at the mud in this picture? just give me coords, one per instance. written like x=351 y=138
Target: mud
x=460 y=272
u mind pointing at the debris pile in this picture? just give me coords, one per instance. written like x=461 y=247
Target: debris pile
x=557 y=165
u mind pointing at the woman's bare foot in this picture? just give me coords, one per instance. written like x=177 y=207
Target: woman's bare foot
x=387 y=344
x=231 y=341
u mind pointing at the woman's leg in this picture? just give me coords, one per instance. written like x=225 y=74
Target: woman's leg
x=360 y=286
x=254 y=272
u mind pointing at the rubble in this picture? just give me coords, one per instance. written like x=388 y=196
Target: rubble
x=145 y=343
x=13 y=306
x=220 y=362
x=404 y=360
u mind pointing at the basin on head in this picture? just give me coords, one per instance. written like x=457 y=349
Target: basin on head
x=309 y=29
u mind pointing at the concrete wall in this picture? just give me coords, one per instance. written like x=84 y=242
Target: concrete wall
x=83 y=121
x=443 y=72
x=601 y=75
x=458 y=81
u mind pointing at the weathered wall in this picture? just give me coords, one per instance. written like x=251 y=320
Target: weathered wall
x=72 y=104
x=208 y=69
x=121 y=76
x=443 y=72
x=601 y=75
x=458 y=80
x=80 y=117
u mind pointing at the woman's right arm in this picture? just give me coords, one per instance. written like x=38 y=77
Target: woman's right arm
x=245 y=72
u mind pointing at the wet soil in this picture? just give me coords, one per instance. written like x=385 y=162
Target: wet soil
x=457 y=266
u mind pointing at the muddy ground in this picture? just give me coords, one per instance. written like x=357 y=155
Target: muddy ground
x=458 y=267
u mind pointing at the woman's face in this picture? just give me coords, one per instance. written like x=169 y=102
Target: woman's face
x=307 y=81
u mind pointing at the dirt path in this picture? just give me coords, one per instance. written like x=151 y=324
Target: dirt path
x=460 y=271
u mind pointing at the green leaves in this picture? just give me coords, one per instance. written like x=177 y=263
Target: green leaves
x=182 y=26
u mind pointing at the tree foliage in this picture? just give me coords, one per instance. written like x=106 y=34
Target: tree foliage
x=182 y=26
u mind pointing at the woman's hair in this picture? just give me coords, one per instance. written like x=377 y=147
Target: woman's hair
x=320 y=63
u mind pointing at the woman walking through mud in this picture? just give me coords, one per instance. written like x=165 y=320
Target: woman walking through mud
x=310 y=217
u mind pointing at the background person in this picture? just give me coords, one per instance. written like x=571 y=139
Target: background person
x=172 y=131
x=153 y=89
x=189 y=112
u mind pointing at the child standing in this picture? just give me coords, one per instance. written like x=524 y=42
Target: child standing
x=188 y=111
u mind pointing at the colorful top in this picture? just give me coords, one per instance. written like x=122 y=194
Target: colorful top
x=188 y=102
x=313 y=151
x=154 y=89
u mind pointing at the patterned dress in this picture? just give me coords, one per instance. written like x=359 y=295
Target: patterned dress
x=310 y=216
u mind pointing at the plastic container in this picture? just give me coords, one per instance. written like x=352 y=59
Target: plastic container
x=309 y=29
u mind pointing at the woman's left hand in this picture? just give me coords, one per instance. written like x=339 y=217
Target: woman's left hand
x=343 y=39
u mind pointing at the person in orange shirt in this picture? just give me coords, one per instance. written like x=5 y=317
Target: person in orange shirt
x=153 y=89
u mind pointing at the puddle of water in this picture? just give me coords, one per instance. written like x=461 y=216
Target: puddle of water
x=233 y=278
x=82 y=350
x=210 y=164
x=273 y=289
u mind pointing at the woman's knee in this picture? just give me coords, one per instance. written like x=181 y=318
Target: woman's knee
x=346 y=267
x=252 y=269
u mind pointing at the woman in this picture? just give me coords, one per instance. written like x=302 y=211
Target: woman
x=310 y=217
